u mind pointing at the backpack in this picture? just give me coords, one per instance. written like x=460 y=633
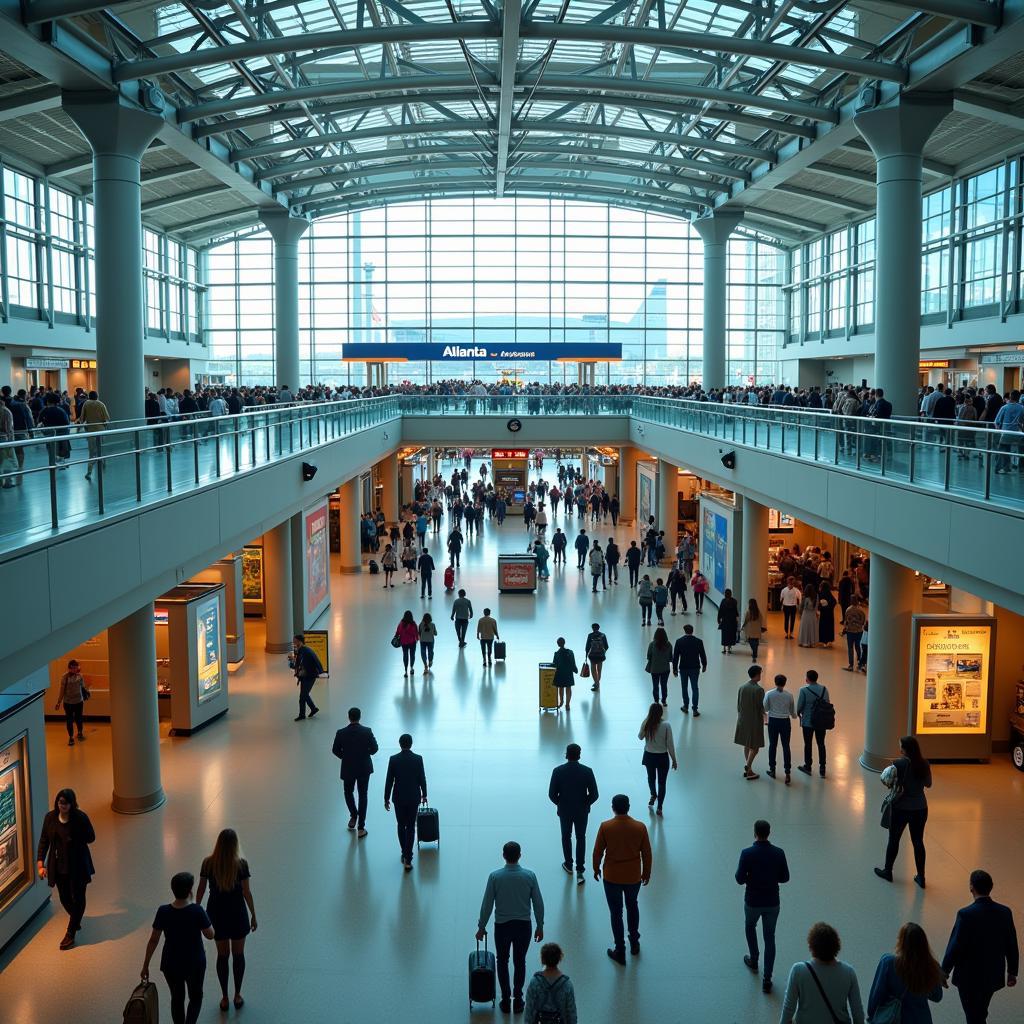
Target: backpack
x=374 y=567
x=546 y=1014
x=823 y=713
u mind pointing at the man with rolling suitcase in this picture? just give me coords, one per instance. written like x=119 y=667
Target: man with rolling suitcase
x=487 y=634
x=510 y=893
x=406 y=782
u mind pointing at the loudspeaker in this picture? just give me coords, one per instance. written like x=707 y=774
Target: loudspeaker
x=729 y=460
x=308 y=471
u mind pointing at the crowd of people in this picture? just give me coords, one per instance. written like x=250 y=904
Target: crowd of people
x=981 y=954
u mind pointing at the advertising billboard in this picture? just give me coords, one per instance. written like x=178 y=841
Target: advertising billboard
x=15 y=866
x=209 y=657
x=317 y=558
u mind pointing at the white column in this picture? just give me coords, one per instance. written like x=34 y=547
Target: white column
x=627 y=484
x=754 y=555
x=715 y=230
x=892 y=597
x=668 y=503
x=134 y=714
x=351 y=541
x=118 y=135
x=286 y=232
x=897 y=137
x=278 y=588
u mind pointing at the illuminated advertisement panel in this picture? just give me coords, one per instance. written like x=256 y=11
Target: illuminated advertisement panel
x=954 y=670
x=316 y=558
x=15 y=863
x=209 y=657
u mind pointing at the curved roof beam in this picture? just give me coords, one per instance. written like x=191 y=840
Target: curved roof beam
x=422 y=86
x=396 y=35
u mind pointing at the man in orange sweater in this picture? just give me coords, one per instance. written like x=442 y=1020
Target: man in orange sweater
x=625 y=848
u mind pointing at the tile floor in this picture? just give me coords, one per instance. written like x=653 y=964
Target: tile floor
x=345 y=937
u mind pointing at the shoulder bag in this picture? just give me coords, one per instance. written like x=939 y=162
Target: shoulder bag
x=891 y=1011
x=895 y=792
x=395 y=642
x=821 y=988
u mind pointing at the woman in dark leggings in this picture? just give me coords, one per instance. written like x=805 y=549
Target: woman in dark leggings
x=910 y=809
x=63 y=858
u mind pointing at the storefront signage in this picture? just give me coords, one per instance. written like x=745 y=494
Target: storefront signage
x=435 y=351
x=510 y=453
x=83 y=364
x=32 y=363
x=1002 y=358
x=933 y=364
x=953 y=661
x=780 y=522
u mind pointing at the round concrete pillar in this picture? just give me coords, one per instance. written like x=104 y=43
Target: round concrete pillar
x=351 y=540
x=278 y=592
x=754 y=554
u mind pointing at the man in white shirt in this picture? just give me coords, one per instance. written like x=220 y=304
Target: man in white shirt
x=789 y=596
x=780 y=709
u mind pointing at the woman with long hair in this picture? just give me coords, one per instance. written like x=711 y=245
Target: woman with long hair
x=826 y=614
x=63 y=858
x=913 y=776
x=728 y=621
x=407 y=633
x=658 y=751
x=659 y=664
x=910 y=976
x=752 y=627
x=807 y=635
x=226 y=872
x=427 y=635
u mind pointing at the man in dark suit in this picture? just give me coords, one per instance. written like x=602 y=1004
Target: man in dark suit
x=407 y=783
x=982 y=954
x=354 y=746
x=425 y=565
x=689 y=659
x=572 y=790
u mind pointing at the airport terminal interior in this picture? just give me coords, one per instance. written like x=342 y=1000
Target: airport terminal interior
x=678 y=344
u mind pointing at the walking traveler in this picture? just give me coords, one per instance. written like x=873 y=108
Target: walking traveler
x=595 y=650
x=540 y=552
x=645 y=597
x=559 y=542
x=550 y=997
x=389 y=563
x=541 y=520
x=699 y=585
x=659 y=750
x=659 y=664
x=808 y=633
x=428 y=637
x=308 y=669
x=487 y=633
x=95 y=417
x=611 y=557
x=405 y=784
x=728 y=621
x=826 y=614
x=762 y=869
x=455 y=548
x=355 y=746
x=462 y=612
x=689 y=659
x=855 y=620
x=982 y=955
x=911 y=776
x=809 y=707
x=510 y=893
x=597 y=566
x=750 y=720
x=634 y=556
x=573 y=790
x=582 y=545
x=780 y=709
x=824 y=989
x=230 y=908
x=407 y=634
x=753 y=627
x=660 y=595
x=910 y=978
x=409 y=562
x=425 y=564
x=622 y=851
x=72 y=696
x=789 y=597
x=63 y=860
x=183 y=925
x=565 y=672
x=677 y=588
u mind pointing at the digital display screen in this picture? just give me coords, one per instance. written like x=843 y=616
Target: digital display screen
x=954 y=662
x=316 y=558
x=208 y=653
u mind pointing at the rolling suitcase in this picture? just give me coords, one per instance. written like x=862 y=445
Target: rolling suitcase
x=449 y=578
x=482 y=976
x=428 y=826
x=142 y=1006
x=500 y=649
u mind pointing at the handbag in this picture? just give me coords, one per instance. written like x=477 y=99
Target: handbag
x=395 y=642
x=895 y=792
x=891 y=1011
x=86 y=692
x=835 y=1017
x=585 y=671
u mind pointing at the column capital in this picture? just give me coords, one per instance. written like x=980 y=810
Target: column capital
x=283 y=227
x=111 y=126
x=717 y=226
x=904 y=127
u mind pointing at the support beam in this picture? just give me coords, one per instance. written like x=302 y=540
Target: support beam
x=31 y=101
x=715 y=230
x=286 y=232
x=824 y=197
x=975 y=12
x=786 y=218
x=988 y=110
x=510 y=17
x=843 y=173
x=38 y=11
x=184 y=197
x=934 y=167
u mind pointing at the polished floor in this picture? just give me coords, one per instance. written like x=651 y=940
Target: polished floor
x=346 y=937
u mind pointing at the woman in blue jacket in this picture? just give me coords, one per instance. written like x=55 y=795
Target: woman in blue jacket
x=910 y=976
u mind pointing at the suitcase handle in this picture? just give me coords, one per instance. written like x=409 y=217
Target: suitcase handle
x=485 y=943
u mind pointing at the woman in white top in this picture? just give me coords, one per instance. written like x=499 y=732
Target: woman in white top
x=658 y=751
x=822 y=990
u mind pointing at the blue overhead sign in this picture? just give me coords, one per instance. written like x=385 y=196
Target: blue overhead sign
x=419 y=351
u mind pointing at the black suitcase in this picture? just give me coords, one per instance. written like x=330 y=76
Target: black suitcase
x=428 y=826
x=374 y=567
x=499 y=649
x=482 y=976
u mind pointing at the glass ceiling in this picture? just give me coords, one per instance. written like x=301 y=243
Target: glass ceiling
x=340 y=104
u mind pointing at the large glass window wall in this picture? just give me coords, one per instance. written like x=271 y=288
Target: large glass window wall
x=970 y=261
x=471 y=272
x=47 y=263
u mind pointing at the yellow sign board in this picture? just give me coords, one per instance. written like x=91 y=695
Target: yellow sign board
x=954 y=665
x=317 y=642
x=548 y=698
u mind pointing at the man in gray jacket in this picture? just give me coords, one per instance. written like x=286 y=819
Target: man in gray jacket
x=462 y=612
x=511 y=892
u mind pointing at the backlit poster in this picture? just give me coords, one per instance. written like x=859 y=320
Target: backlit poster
x=316 y=558
x=714 y=544
x=953 y=657
x=645 y=500
x=15 y=869
x=209 y=662
x=252 y=573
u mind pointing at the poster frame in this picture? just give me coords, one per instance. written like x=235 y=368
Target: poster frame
x=23 y=831
x=319 y=641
